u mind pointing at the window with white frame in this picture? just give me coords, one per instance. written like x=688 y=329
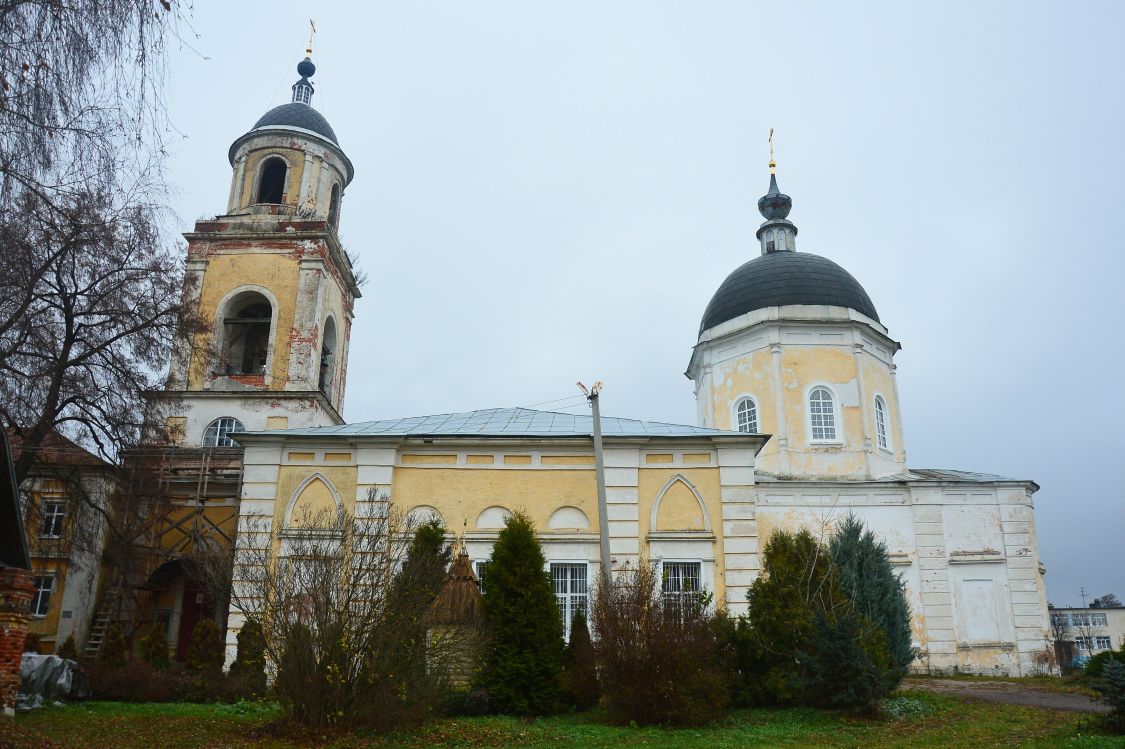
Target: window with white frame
x=41 y=603
x=1080 y=620
x=881 y=423
x=822 y=415
x=1099 y=620
x=1102 y=643
x=746 y=415
x=54 y=513
x=680 y=582
x=1082 y=643
x=571 y=591
x=480 y=567
x=218 y=432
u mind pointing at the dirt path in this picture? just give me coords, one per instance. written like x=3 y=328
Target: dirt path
x=1010 y=693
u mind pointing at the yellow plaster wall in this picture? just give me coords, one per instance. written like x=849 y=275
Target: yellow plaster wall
x=878 y=380
x=296 y=159
x=679 y=510
x=342 y=478
x=227 y=272
x=315 y=503
x=706 y=482
x=749 y=375
x=460 y=495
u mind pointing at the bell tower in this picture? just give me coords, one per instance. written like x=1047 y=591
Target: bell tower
x=272 y=286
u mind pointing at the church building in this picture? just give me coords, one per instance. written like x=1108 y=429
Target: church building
x=798 y=423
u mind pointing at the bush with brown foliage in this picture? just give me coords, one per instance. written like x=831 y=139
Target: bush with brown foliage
x=661 y=660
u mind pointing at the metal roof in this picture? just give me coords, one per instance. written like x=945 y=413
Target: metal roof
x=506 y=422
x=780 y=278
x=948 y=474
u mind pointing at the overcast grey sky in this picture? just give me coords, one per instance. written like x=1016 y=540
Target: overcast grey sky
x=552 y=192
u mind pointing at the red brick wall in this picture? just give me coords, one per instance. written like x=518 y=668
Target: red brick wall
x=16 y=592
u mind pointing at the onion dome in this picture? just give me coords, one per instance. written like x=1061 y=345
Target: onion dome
x=781 y=275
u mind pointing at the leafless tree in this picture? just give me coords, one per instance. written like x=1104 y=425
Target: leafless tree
x=79 y=80
x=93 y=329
x=340 y=613
x=89 y=282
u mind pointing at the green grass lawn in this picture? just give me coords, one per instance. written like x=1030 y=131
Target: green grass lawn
x=927 y=720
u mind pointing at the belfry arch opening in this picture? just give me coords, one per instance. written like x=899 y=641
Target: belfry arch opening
x=334 y=208
x=328 y=357
x=246 y=334
x=271 y=184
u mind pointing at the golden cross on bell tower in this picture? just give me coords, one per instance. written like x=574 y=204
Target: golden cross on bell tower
x=312 y=30
x=773 y=164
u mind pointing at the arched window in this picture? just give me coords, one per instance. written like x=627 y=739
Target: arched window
x=881 y=422
x=218 y=432
x=334 y=208
x=328 y=357
x=247 y=334
x=746 y=415
x=271 y=185
x=822 y=415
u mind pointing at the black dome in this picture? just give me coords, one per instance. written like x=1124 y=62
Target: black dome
x=296 y=114
x=781 y=278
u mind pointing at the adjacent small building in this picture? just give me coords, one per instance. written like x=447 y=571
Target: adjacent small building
x=1091 y=630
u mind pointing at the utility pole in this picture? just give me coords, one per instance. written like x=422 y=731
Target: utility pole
x=599 y=471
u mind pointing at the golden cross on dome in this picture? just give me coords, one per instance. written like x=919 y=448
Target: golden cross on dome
x=312 y=30
x=773 y=164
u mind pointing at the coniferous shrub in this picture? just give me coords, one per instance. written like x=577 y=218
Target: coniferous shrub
x=248 y=672
x=805 y=639
x=795 y=583
x=205 y=651
x=154 y=647
x=112 y=653
x=524 y=657
x=869 y=581
x=69 y=649
x=580 y=674
x=1112 y=689
x=660 y=661
x=1096 y=664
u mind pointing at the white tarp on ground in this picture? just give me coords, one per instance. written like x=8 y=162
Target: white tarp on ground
x=45 y=677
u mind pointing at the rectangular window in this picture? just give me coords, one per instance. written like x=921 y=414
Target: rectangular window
x=1080 y=620
x=41 y=603
x=1082 y=643
x=1102 y=643
x=1099 y=620
x=680 y=582
x=571 y=591
x=480 y=567
x=54 y=512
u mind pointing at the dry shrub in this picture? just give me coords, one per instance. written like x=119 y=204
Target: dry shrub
x=341 y=614
x=660 y=659
x=1044 y=662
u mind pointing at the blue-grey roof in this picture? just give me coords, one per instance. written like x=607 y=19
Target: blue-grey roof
x=780 y=278
x=949 y=474
x=296 y=114
x=506 y=422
